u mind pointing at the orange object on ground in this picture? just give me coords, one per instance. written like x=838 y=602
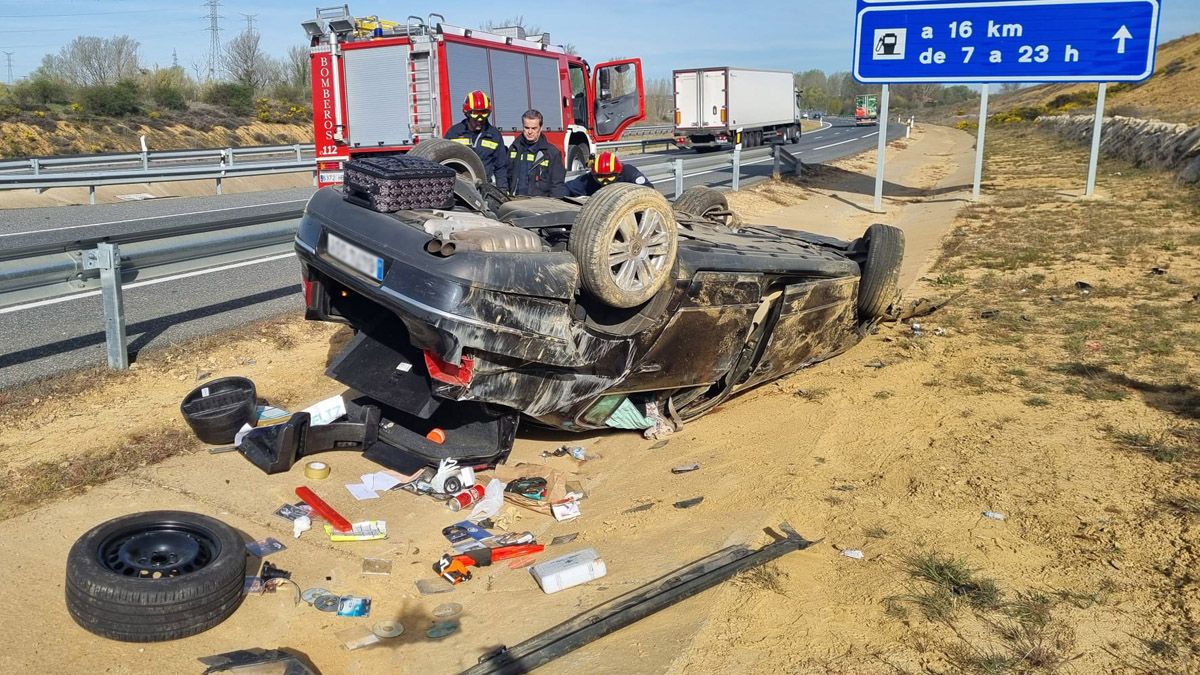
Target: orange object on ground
x=436 y=435
x=324 y=510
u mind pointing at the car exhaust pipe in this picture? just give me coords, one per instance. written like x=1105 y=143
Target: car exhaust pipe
x=433 y=246
x=448 y=249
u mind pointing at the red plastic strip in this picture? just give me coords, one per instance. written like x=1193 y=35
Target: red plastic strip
x=324 y=510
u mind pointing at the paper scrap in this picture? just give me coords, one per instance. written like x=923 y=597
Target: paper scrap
x=380 y=481
x=565 y=511
x=361 y=491
x=364 y=531
x=241 y=433
x=324 y=412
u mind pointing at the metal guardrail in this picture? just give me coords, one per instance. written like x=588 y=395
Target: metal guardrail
x=46 y=272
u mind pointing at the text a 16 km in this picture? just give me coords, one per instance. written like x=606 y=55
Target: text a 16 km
x=1021 y=53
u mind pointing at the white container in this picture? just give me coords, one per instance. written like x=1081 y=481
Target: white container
x=570 y=570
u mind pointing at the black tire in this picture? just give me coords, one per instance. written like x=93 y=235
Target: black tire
x=879 y=287
x=707 y=203
x=112 y=591
x=627 y=216
x=577 y=157
x=457 y=156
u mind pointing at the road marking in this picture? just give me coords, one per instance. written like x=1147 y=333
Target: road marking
x=849 y=140
x=148 y=282
x=168 y=215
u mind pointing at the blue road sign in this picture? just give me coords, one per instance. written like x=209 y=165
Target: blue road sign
x=900 y=41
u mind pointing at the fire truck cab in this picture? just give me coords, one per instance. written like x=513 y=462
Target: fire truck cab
x=382 y=87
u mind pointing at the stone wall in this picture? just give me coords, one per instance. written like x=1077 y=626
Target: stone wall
x=1145 y=143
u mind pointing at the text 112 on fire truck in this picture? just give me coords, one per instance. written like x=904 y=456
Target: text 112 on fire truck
x=381 y=86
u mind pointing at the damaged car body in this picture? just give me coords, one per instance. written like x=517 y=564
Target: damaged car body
x=559 y=311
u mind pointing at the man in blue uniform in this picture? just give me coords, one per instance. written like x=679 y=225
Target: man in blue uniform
x=535 y=167
x=476 y=132
x=606 y=170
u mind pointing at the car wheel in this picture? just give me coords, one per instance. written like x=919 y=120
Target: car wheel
x=457 y=156
x=577 y=157
x=879 y=287
x=624 y=240
x=153 y=576
x=707 y=203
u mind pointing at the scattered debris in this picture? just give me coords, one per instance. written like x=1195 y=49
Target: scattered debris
x=376 y=566
x=282 y=661
x=290 y=512
x=301 y=525
x=327 y=603
x=310 y=595
x=563 y=511
x=925 y=307
x=447 y=611
x=388 y=629
x=265 y=547
x=432 y=586
x=1094 y=345
x=364 y=531
x=994 y=515
x=316 y=470
x=877 y=364
x=357 y=637
x=270 y=571
x=852 y=553
x=468 y=497
x=575 y=452
x=352 y=605
x=568 y=538
x=1083 y=287
x=442 y=629
x=685 y=468
x=1158 y=271
x=989 y=314
x=639 y=508
x=570 y=570
x=688 y=503
x=663 y=443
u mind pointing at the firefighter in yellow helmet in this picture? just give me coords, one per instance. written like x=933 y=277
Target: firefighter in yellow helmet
x=477 y=132
x=606 y=169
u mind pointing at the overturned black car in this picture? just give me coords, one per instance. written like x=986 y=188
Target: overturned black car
x=561 y=311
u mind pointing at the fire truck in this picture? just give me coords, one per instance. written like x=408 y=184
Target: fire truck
x=381 y=87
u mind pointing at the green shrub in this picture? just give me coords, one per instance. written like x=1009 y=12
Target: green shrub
x=116 y=100
x=237 y=98
x=1074 y=100
x=168 y=96
x=9 y=112
x=40 y=91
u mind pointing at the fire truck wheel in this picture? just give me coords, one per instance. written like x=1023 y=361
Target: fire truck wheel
x=454 y=155
x=577 y=157
x=707 y=203
x=624 y=240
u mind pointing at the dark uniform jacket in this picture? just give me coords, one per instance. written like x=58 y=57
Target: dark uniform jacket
x=536 y=169
x=489 y=145
x=587 y=185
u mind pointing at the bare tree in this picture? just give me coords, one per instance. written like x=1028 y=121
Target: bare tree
x=660 y=100
x=244 y=61
x=88 y=61
x=298 y=65
x=518 y=20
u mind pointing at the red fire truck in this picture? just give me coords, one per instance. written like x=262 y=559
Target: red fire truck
x=381 y=87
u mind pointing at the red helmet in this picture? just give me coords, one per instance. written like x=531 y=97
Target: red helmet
x=477 y=102
x=607 y=165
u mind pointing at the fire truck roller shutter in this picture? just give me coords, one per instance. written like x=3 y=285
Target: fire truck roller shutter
x=377 y=93
x=545 y=90
x=468 y=70
x=512 y=88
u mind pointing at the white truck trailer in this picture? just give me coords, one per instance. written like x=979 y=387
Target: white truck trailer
x=713 y=104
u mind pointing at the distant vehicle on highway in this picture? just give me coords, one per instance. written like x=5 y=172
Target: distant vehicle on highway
x=866 y=110
x=712 y=104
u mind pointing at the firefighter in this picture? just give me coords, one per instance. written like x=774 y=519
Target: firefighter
x=606 y=169
x=484 y=139
x=535 y=167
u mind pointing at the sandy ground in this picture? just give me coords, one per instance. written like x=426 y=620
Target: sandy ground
x=888 y=460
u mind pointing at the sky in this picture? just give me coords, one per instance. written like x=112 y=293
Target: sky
x=789 y=35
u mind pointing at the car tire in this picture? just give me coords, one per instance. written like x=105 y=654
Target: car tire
x=457 y=156
x=577 y=157
x=879 y=287
x=630 y=220
x=705 y=202
x=154 y=576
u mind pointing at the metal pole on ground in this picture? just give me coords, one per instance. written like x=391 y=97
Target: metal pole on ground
x=983 y=106
x=1097 y=127
x=737 y=161
x=107 y=258
x=678 y=178
x=879 y=152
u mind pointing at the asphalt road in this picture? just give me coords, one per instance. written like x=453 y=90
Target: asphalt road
x=46 y=338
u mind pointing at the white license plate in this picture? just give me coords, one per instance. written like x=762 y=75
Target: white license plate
x=355 y=258
x=327 y=177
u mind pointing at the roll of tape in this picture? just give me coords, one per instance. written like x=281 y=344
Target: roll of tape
x=316 y=470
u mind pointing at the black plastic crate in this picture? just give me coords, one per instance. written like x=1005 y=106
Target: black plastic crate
x=398 y=182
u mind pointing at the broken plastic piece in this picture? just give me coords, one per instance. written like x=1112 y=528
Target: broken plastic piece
x=685 y=468
x=290 y=661
x=852 y=553
x=688 y=503
x=994 y=515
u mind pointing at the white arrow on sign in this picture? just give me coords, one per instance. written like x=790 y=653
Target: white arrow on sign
x=1121 y=36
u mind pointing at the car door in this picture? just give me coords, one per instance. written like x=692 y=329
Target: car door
x=619 y=97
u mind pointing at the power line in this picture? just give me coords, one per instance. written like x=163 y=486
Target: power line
x=214 y=42
x=249 y=21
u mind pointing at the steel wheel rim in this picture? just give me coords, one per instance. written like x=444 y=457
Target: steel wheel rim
x=638 y=251
x=161 y=550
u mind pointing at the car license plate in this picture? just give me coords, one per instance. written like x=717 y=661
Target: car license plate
x=328 y=177
x=355 y=258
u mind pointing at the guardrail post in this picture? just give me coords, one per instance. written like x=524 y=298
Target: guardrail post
x=299 y=156
x=775 y=163
x=678 y=178
x=218 y=185
x=229 y=153
x=92 y=195
x=107 y=258
x=737 y=166
x=37 y=166
x=145 y=154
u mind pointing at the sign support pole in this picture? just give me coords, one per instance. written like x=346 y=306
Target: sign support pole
x=983 y=106
x=881 y=149
x=1097 y=126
